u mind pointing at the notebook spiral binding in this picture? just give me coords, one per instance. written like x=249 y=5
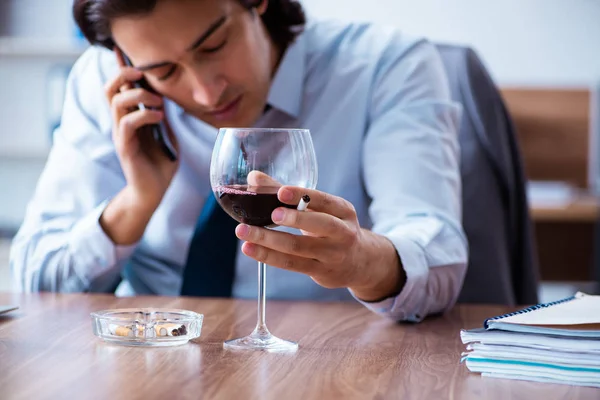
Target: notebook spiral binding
x=528 y=309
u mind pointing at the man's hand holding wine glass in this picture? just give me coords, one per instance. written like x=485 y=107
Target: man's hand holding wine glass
x=333 y=250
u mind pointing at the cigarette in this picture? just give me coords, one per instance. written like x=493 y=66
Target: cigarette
x=303 y=205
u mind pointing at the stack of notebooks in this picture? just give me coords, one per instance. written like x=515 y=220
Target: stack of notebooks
x=556 y=342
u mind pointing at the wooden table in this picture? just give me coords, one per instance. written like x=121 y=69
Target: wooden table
x=48 y=351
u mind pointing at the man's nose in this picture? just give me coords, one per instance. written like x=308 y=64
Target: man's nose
x=208 y=91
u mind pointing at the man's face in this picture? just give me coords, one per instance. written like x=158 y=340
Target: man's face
x=212 y=57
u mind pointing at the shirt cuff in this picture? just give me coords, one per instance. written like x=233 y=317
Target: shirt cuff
x=412 y=295
x=94 y=253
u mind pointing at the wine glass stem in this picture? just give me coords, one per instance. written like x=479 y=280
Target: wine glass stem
x=261 y=325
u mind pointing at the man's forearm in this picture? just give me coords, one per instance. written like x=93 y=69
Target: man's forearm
x=383 y=270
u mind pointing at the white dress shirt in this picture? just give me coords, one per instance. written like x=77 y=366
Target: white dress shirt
x=378 y=106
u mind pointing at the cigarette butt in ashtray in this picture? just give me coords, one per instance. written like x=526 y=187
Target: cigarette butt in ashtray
x=119 y=330
x=159 y=330
x=170 y=330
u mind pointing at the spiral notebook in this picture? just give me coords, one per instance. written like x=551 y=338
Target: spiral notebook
x=556 y=342
x=7 y=309
x=576 y=316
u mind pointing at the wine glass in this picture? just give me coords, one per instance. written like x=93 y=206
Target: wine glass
x=247 y=168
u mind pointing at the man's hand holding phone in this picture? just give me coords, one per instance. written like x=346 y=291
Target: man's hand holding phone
x=148 y=170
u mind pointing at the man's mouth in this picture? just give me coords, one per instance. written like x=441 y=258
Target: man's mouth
x=228 y=111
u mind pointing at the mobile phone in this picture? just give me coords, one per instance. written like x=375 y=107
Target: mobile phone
x=159 y=131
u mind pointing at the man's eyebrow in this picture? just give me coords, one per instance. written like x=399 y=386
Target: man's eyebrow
x=153 y=66
x=211 y=29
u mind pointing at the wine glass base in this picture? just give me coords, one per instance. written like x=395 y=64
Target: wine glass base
x=268 y=343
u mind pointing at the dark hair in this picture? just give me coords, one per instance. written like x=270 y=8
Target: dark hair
x=284 y=19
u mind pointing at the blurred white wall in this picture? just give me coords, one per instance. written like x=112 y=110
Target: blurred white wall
x=27 y=97
x=42 y=18
x=523 y=42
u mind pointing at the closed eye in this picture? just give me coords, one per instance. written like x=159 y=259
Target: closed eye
x=215 y=49
x=210 y=50
x=168 y=74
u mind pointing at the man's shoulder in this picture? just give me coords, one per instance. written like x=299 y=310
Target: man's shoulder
x=96 y=64
x=363 y=42
x=85 y=96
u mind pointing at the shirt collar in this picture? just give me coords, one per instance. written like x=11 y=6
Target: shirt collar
x=286 y=89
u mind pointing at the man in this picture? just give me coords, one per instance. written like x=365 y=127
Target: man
x=385 y=222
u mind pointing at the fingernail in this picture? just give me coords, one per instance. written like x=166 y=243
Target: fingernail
x=278 y=215
x=248 y=249
x=286 y=195
x=242 y=230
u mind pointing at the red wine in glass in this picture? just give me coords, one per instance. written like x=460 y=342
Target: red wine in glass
x=247 y=168
x=250 y=205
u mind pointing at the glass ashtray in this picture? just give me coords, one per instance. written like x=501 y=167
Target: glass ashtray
x=147 y=326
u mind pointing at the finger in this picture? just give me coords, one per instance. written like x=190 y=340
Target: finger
x=319 y=201
x=277 y=259
x=125 y=87
x=131 y=122
x=298 y=245
x=131 y=98
x=151 y=146
x=317 y=223
x=257 y=178
x=125 y=77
